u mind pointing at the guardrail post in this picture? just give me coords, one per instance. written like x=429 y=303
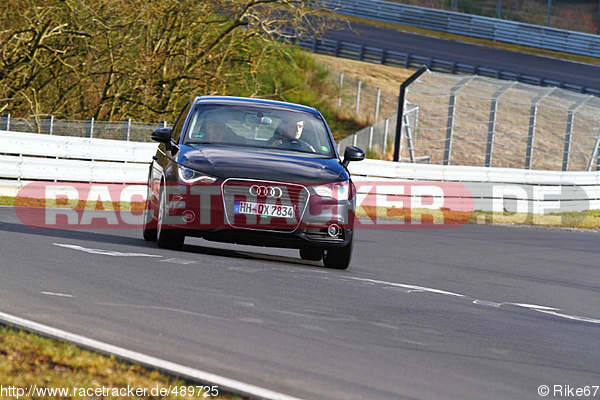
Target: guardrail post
x=595 y=153
x=400 y=111
x=567 y=148
x=531 y=134
x=570 y=118
x=89 y=127
x=50 y=123
x=126 y=128
x=409 y=139
x=341 y=88
x=358 y=89
x=5 y=122
x=492 y=123
x=385 y=134
x=450 y=120
x=377 y=104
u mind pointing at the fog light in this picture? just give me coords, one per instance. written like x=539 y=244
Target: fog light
x=188 y=216
x=333 y=230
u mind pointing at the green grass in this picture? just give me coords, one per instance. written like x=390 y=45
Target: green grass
x=28 y=360
x=576 y=220
x=589 y=219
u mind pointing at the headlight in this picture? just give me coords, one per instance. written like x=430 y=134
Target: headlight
x=188 y=175
x=337 y=191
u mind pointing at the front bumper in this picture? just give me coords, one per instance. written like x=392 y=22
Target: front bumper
x=202 y=211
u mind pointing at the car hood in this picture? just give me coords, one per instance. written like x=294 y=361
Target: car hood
x=262 y=164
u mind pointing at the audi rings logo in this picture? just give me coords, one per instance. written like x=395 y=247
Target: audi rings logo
x=266 y=191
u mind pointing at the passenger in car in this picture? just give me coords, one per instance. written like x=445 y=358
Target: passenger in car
x=216 y=131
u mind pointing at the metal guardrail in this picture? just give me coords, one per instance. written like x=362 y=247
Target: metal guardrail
x=488 y=188
x=67 y=159
x=471 y=25
x=33 y=156
x=407 y=60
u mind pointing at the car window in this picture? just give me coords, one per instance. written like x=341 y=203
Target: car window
x=259 y=127
x=178 y=127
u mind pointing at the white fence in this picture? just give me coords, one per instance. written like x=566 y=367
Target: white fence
x=495 y=189
x=26 y=157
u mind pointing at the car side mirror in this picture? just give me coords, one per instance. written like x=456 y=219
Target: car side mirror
x=352 y=153
x=162 y=135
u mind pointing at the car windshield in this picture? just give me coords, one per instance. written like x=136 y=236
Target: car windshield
x=256 y=126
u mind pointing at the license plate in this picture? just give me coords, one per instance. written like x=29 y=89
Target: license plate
x=268 y=210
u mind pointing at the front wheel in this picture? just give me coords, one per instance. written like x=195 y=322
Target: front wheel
x=338 y=257
x=149 y=230
x=166 y=238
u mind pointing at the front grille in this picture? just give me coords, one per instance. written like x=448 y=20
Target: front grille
x=264 y=192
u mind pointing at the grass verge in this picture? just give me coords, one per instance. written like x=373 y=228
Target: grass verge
x=31 y=364
x=588 y=220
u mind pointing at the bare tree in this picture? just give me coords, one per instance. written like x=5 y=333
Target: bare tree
x=112 y=59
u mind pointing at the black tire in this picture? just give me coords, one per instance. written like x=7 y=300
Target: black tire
x=166 y=238
x=311 y=254
x=338 y=257
x=150 y=221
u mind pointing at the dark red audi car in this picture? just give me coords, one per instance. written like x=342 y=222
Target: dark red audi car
x=255 y=172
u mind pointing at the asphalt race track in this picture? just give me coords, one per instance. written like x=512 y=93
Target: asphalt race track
x=543 y=67
x=477 y=312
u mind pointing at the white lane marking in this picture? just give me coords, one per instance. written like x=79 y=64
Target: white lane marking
x=573 y=317
x=158 y=308
x=179 y=261
x=105 y=252
x=57 y=294
x=412 y=288
x=533 y=307
x=487 y=303
x=149 y=361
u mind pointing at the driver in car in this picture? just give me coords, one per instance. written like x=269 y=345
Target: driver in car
x=288 y=135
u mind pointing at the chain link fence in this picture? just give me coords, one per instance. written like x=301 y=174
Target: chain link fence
x=118 y=130
x=366 y=103
x=477 y=121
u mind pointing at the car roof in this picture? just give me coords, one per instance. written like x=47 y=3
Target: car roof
x=254 y=101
